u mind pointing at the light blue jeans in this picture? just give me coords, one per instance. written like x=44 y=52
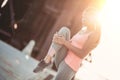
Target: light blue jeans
x=64 y=71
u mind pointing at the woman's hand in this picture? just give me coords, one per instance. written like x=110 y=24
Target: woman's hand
x=59 y=39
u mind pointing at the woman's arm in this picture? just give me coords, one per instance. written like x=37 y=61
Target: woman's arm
x=88 y=46
x=75 y=50
x=61 y=40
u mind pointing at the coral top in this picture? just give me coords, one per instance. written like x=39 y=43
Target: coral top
x=71 y=59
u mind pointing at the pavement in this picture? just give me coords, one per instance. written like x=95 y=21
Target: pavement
x=15 y=65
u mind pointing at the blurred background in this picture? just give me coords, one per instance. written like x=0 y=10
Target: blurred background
x=24 y=20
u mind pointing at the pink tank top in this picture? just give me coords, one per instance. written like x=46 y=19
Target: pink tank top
x=71 y=59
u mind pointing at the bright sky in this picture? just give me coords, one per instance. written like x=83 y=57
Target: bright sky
x=106 y=56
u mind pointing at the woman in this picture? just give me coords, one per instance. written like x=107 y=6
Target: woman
x=69 y=53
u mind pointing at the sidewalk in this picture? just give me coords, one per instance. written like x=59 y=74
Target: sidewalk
x=15 y=65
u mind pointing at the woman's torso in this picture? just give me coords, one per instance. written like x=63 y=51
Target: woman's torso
x=78 y=41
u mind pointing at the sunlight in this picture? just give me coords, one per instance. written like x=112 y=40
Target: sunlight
x=111 y=10
x=106 y=56
x=110 y=15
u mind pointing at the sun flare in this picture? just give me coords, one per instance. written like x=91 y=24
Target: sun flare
x=106 y=56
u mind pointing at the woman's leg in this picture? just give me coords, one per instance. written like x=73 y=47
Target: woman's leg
x=60 y=51
x=59 y=57
x=64 y=72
